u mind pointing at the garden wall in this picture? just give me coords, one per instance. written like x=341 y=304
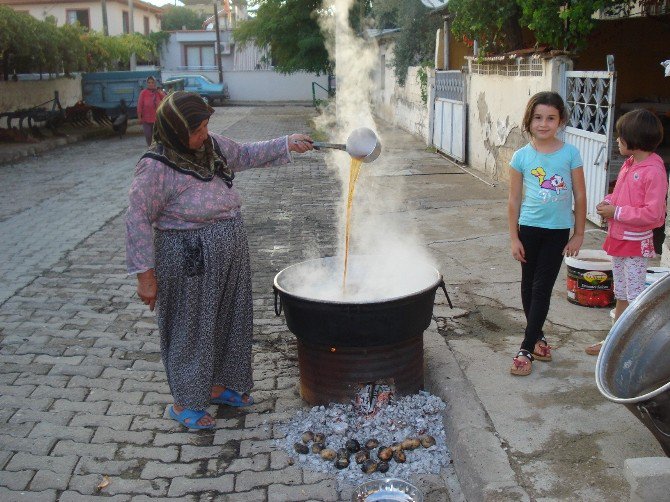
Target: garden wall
x=30 y=93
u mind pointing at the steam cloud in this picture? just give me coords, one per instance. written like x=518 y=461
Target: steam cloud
x=379 y=227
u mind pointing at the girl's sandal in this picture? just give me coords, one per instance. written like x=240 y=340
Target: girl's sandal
x=542 y=351
x=522 y=367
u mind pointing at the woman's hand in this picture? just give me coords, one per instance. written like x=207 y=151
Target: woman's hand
x=299 y=143
x=518 y=252
x=573 y=246
x=147 y=288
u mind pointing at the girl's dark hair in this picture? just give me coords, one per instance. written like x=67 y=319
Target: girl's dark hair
x=548 y=98
x=640 y=129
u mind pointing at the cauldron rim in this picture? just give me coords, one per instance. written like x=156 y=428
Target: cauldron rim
x=433 y=285
x=628 y=318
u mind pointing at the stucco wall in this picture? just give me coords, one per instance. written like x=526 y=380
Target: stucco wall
x=496 y=106
x=114 y=15
x=266 y=85
x=27 y=94
x=401 y=106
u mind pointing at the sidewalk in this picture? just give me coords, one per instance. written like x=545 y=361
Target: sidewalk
x=83 y=394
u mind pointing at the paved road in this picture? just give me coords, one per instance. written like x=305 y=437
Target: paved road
x=82 y=390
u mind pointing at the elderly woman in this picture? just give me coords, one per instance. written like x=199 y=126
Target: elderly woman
x=187 y=244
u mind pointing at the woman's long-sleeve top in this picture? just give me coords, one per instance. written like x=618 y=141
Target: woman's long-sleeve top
x=163 y=198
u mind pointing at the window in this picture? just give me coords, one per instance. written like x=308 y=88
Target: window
x=126 y=22
x=200 y=56
x=146 y=25
x=78 y=16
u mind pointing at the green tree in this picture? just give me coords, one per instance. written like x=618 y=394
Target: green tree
x=415 y=42
x=564 y=24
x=493 y=23
x=290 y=29
x=177 y=18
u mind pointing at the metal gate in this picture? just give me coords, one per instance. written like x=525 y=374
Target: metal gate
x=450 y=118
x=589 y=96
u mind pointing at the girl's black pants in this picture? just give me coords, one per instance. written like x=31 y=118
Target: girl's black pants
x=544 y=254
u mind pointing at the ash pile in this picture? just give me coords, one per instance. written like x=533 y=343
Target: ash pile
x=374 y=437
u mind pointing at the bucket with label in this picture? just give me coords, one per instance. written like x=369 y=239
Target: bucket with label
x=590 y=281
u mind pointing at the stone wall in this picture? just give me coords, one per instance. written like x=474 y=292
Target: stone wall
x=30 y=93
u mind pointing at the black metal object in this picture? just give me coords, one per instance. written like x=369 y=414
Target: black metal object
x=357 y=324
x=334 y=373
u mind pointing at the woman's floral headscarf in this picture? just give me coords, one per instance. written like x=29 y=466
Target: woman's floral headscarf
x=179 y=115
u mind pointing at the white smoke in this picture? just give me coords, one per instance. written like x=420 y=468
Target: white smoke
x=380 y=225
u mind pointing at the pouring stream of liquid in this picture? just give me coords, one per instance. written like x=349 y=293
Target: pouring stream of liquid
x=354 y=171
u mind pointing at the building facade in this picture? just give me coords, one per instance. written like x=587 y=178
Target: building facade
x=146 y=17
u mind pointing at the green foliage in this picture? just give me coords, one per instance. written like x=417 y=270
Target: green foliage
x=422 y=77
x=28 y=45
x=496 y=24
x=177 y=18
x=290 y=29
x=563 y=24
x=493 y=23
x=415 y=42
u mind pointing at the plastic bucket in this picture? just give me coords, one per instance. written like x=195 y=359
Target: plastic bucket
x=633 y=366
x=589 y=281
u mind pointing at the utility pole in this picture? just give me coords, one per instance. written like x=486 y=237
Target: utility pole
x=131 y=30
x=217 y=49
x=105 y=26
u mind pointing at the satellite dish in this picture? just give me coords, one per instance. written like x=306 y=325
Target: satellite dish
x=434 y=4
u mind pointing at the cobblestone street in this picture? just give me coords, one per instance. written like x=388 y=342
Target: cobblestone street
x=83 y=394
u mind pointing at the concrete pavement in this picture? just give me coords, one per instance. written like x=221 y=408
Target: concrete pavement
x=83 y=393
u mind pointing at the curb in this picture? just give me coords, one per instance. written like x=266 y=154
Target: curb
x=481 y=464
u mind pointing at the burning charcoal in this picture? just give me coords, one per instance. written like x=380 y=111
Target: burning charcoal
x=369 y=466
x=342 y=463
x=410 y=444
x=399 y=456
x=385 y=453
x=427 y=440
x=371 y=444
x=301 y=448
x=317 y=447
x=383 y=466
x=343 y=453
x=328 y=454
x=352 y=445
x=307 y=436
x=361 y=456
x=319 y=438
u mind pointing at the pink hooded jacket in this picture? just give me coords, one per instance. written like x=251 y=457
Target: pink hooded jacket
x=639 y=196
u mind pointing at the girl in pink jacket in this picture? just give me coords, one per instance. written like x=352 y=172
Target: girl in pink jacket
x=634 y=208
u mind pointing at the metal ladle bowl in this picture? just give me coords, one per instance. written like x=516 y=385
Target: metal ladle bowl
x=361 y=144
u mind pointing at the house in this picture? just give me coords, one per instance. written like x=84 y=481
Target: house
x=146 y=17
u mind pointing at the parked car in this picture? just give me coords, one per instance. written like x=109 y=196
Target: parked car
x=211 y=92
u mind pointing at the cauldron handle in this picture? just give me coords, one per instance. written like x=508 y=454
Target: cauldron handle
x=278 y=308
x=444 y=288
x=643 y=409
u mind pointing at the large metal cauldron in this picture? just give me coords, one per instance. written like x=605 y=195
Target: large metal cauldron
x=373 y=332
x=633 y=366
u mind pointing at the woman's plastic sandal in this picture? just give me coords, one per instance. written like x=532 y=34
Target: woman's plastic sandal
x=542 y=351
x=230 y=397
x=522 y=367
x=189 y=418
